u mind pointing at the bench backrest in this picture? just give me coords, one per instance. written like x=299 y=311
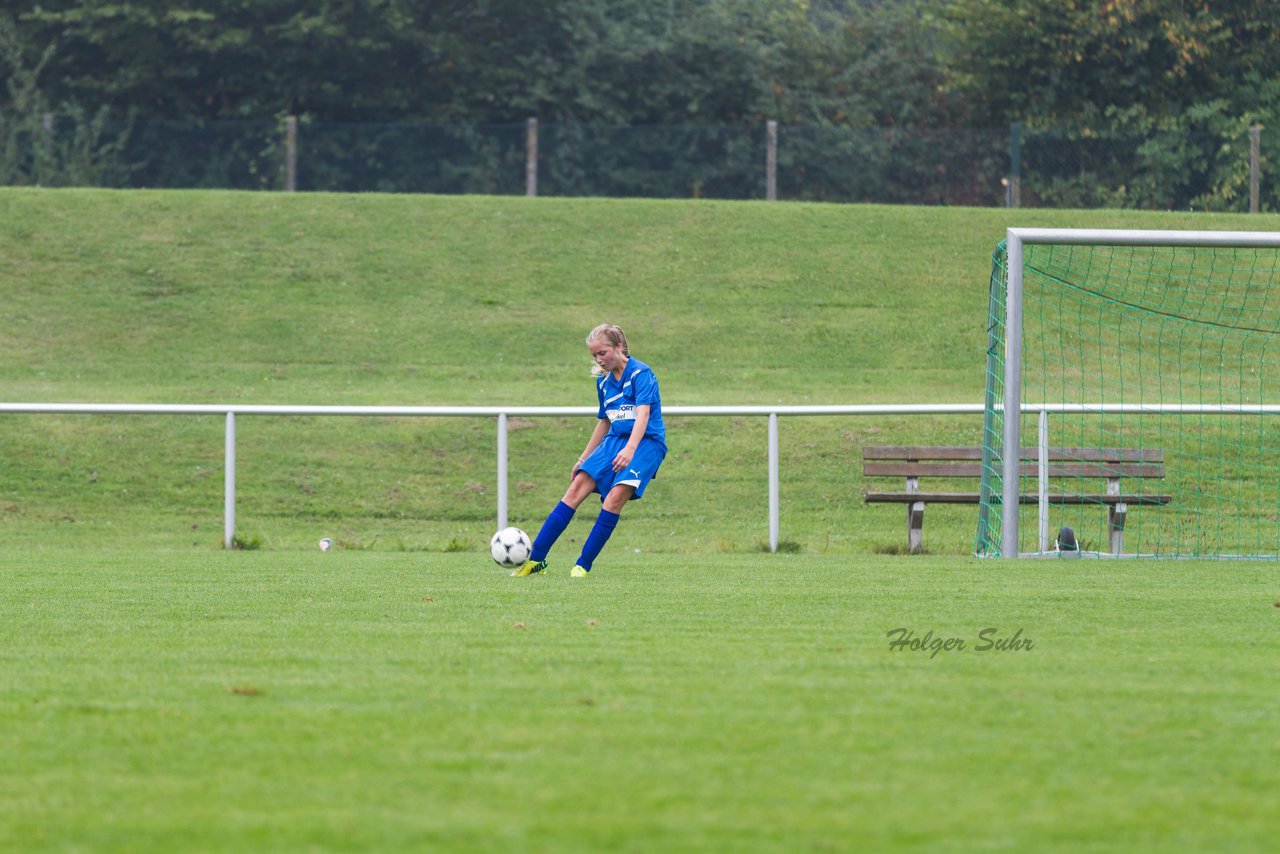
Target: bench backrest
x=960 y=461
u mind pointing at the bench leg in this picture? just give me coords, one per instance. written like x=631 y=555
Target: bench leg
x=1115 y=525
x=915 y=526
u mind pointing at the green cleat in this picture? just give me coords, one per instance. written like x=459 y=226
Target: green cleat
x=578 y=572
x=529 y=568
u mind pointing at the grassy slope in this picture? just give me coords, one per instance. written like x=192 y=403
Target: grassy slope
x=159 y=701
x=215 y=297
x=370 y=299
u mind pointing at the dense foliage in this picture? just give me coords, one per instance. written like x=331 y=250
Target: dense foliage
x=1173 y=87
x=611 y=61
x=1168 y=89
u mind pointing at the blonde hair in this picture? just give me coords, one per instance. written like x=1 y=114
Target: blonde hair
x=609 y=334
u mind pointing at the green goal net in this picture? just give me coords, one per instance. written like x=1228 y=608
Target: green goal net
x=1144 y=371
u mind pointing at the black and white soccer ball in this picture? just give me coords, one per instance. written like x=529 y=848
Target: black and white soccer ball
x=510 y=547
x=1067 y=540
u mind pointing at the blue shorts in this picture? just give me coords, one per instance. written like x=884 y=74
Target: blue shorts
x=643 y=468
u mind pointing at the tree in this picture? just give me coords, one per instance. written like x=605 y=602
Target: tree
x=1133 y=102
x=46 y=145
x=207 y=59
x=477 y=61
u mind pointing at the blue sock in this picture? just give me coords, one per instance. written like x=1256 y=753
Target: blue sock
x=551 y=530
x=600 y=533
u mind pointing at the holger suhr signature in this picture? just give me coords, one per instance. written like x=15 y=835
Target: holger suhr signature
x=989 y=640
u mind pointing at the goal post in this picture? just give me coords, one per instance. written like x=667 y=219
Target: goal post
x=1131 y=378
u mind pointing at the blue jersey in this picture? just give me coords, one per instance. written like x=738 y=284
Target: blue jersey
x=619 y=399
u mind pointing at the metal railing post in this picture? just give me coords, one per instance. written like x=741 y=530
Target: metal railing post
x=773 y=482
x=229 y=485
x=1042 y=479
x=502 y=470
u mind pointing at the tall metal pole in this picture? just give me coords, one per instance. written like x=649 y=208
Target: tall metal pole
x=1012 y=399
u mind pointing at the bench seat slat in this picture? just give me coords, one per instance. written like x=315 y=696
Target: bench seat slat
x=922 y=453
x=964 y=469
x=974 y=497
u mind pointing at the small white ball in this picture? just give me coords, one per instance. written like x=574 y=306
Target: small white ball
x=326 y=544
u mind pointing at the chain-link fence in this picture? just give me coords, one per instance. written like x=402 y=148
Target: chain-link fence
x=894 y=165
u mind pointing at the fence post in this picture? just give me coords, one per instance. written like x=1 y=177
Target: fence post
x=229 y=485
x=1042 y=479
x=531 y=158
x=502 y=471
x=1013 y=190
x=771 y=161
x=291 y=154
x=773 y=482
x=1255 y=168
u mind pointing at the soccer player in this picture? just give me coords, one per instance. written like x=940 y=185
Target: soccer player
x=621 y=457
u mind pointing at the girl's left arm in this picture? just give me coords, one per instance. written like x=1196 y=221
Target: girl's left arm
x=641 y=423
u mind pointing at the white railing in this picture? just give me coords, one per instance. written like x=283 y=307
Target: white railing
x=230 y=411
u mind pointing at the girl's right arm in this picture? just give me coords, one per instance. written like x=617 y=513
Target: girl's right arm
x=597 y=436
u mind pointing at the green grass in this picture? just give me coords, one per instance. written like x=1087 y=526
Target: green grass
x=400 y=693
x=162 y=701
x=213 y=297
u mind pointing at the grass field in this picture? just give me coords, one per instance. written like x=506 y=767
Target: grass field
x=694 y=694
x=158 y=701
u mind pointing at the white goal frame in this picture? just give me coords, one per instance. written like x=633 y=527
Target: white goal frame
x=1016 y=239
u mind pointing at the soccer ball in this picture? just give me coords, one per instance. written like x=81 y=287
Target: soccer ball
x=510 y=547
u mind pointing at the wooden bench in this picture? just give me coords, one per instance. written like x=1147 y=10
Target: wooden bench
x=1109 y=464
